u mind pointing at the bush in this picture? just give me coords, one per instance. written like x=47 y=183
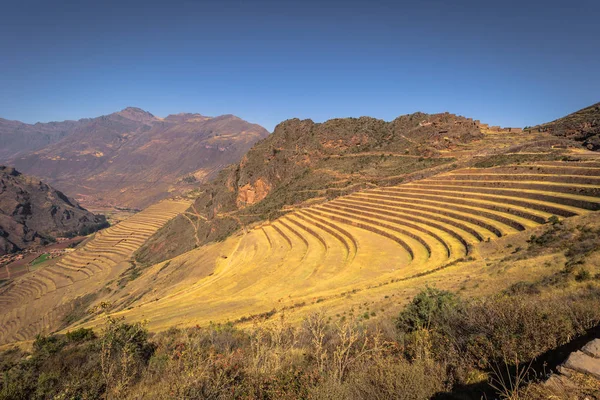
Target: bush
x=393 y=378
x=80 y=335
x=583 y=275
x=48 y=344
x=444 y=342
x=426 y=309
x=125 y=351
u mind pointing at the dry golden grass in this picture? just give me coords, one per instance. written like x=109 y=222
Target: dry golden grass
x=351 y=254
x=357 y=254
x=39 y=302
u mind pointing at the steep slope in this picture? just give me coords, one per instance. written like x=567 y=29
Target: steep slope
x=302 y=161
x=132 y=158
x=31 y=212
x=582 y=126
x=357 y=248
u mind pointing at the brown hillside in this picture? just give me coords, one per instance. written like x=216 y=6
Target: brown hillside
x=17 y=138
x=132 y=158
x=31 y=212
x=303 y=160
x=583 y=126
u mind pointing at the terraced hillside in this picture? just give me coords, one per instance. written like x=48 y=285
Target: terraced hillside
x=46 y=299
x=363 y=240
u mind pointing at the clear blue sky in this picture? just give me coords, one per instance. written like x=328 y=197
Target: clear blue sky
x=512 y=63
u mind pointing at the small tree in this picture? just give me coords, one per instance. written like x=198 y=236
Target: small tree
x=316 y=325
x=427 y=307
x=124 y=351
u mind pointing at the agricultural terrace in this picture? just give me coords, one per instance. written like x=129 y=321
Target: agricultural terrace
x=39 y=301
x=363 y=240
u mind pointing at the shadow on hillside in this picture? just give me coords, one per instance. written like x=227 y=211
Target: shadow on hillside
x=542 y=367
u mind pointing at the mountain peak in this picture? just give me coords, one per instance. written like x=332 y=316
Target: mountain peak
x=136 y=114
x=187 y=117
x=31 y=211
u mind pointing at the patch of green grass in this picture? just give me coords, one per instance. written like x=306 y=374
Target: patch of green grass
x=130 y=274
x=44 y=257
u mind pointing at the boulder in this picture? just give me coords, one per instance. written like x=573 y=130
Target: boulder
x=592 y=348
x=581 y=362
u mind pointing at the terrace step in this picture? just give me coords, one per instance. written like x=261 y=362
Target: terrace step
x=417 y=251
x=459 y=238
x=475 y=231
x=537 y=168
x=573 y=188
x=421 y=231
x=327 y=228
x=522 y=215
x=521 y=177
x=497 y=224
x=578 y=201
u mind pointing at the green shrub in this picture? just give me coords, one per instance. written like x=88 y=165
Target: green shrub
x=583 y=275
x=425 y=309
x=49 y=344
x=80 y=335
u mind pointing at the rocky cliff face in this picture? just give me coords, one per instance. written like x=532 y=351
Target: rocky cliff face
x=132 y=158
x=32 y=212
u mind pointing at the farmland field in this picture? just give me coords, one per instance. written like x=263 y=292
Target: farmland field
x=357 y=244
x=42 y=300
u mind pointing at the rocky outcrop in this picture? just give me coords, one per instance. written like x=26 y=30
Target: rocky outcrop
x=582 y=126
x=252 y=193
x=582 y=362
x=32 y=212
x=586 y=360
x=302 y=158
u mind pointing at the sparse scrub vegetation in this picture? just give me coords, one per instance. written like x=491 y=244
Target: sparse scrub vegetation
x=439 y=344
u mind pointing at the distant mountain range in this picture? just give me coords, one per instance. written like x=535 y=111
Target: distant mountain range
x=129 y=158
x=32 y=212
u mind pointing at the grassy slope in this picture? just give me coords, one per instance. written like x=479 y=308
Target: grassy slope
x=454 y=357
x=255 y=272
x=302 y=161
